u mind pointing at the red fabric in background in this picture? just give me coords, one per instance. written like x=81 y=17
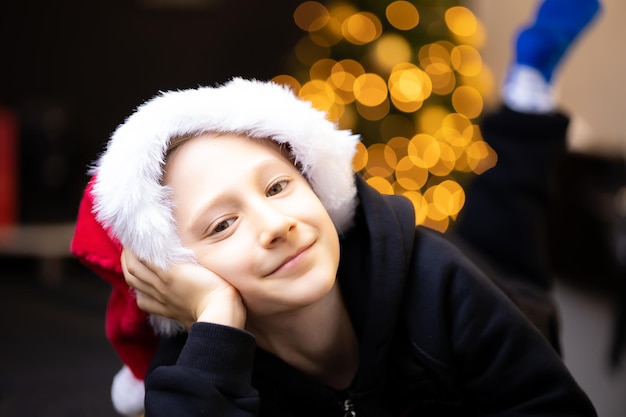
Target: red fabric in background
x=8 y=167
x=127 y=327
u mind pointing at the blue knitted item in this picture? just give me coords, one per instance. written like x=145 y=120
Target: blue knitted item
x=557 y=24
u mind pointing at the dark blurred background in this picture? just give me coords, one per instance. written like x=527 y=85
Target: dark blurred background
x=72 y=70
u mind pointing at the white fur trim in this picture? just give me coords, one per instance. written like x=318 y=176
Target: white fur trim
x=525 y=90
x=127 y=393
x=128 y=195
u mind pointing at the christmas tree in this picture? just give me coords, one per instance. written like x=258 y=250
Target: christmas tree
x=409 y=78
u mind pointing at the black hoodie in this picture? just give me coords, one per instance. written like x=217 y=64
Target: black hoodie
x=436 y=337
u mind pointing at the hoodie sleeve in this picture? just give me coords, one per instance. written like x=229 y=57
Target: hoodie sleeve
x=476 y=342
x=210 y=377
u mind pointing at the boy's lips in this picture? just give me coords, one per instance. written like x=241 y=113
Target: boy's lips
x=289 y=260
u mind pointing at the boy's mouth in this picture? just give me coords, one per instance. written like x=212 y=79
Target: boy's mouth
x=291 y=260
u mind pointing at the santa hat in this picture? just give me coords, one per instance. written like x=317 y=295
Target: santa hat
x=126 y=205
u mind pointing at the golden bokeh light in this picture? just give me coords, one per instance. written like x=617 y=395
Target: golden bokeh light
x=409 y=86
x=399 y=145
x=391 y=157
x=341 y=10
x=440 y=225
x=373 y=113
x=322 y=69
x=477 y=38
x=409 y=176
x=442 y=78
x=437 y=53
x=468 y=101
x=288 y=81
x=360 y=158
x=424 y=150
x=456 y=129
x=345 y=72
x=381 y=184
x=342 y=79
x=311 y=16
x=370 y=89
x=321 y=95
x=461 y=21
x=481 y=157
x=466 y=60
x=362 y=28
x=402 y=15
x=342 y=97
x=390 y=50
x=430 y=118
x=349 y=119
x=446 y=161
x=450 y=197
x=436 y=208
x=329 y=35
x=419 y=204
x=382 y=160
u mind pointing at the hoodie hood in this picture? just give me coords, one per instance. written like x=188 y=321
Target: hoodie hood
x=375 y=260
x=130 y=200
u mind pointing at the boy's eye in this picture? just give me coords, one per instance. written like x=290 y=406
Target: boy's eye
x=277 y=187
x=221 y=226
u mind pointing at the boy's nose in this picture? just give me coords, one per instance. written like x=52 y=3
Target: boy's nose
x=274 y=226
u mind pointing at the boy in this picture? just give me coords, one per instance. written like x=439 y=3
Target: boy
x=304 y=291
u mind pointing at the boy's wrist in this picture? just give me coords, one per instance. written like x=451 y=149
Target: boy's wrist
x=227 y=311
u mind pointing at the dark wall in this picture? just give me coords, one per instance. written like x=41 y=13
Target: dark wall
x=73 y=70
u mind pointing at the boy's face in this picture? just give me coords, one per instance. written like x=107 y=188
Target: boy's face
x=254 y=220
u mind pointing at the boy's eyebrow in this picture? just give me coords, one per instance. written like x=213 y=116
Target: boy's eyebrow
x=198 y=225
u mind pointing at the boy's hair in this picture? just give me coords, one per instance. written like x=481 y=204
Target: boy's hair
x=133 y=204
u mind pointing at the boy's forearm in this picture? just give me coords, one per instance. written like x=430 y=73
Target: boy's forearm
x=212 y=376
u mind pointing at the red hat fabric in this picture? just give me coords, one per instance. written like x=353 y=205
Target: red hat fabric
x=127 y=327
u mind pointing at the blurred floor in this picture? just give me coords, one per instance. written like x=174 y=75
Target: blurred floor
x=56 y=361
x=587 y=329
x=54 y=356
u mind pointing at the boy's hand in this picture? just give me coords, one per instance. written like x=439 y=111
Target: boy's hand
x=185 y=292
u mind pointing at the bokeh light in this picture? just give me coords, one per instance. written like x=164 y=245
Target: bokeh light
x=467 y=101
x=461 y=21
x=311 y=16
x=361 y=28
x=390 y=50
x=410 y=79
x=466 y=60
x=409 y=86
x=402 y=15
x=370 y=89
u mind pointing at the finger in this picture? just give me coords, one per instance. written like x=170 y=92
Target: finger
x=137 y=284
x=131 y=263
x=148 y=304
x=139 y=277
x=152 y=275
